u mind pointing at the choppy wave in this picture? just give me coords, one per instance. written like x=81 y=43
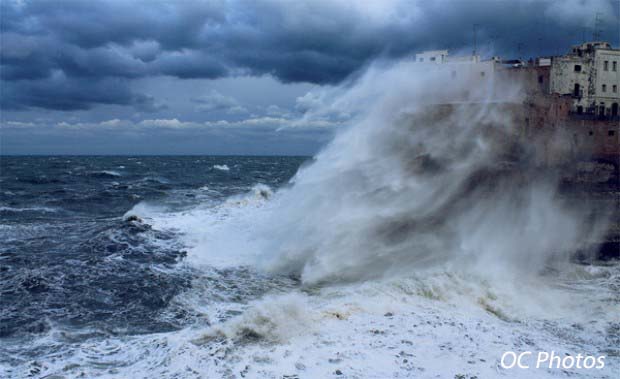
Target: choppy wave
x=27 y=209
x=106 y=173
x=222 y=167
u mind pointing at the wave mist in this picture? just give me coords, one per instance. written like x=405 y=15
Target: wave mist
x=431 y=173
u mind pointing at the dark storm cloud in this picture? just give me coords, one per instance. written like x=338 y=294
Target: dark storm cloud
x=62 y=93
x=75 y=54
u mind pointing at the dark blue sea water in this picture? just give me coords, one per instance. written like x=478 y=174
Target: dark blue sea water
x=143 y=267
x=70 y=260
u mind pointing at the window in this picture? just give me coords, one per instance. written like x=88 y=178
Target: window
x=481 y=73
x=541 y=79
x=606 y=66
x=576 y=90
x=421 y=60
x=453 y=74
x=611 y=133
x=614 y=66
x=432 y=59
x=590 y=133
x=577 y=68
x=614 y=88
x=579 y=109
x=604 y=87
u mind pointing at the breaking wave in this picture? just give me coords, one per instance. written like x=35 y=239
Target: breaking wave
x=430 y=194
x=221 y=167
x=415 y=184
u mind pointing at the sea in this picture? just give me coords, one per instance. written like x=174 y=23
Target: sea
x=144 y=267
x=75 y=270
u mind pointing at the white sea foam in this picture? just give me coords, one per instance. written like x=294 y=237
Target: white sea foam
x=274 y=318
x=107 y=173
x=222 y=235
x=222 y=167
x=378 y=329
x=28 y=209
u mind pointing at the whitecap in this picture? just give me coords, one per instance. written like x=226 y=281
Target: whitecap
x=221 y=167
x=106 y=173
x=28 y=209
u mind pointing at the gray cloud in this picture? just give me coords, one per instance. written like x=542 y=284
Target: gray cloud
x=62 y=93
x=215 y=101
x=75 y=54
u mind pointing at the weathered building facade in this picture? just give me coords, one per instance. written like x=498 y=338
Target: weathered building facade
x=570 y=102
x=590 y=74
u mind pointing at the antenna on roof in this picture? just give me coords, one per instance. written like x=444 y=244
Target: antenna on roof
x=475 y=44
x=596 y=34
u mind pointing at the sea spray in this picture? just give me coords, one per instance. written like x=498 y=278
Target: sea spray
x=430 y=171
x=275 y=318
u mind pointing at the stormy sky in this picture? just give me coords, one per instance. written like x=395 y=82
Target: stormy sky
x=235 y=77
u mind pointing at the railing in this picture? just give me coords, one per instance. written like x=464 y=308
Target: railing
x=592 y=116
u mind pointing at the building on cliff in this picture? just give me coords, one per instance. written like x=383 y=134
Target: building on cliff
x=590 y=73
x=570 y=102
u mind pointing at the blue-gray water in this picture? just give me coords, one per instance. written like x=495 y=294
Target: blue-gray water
x=89 y=290
x=69 y=260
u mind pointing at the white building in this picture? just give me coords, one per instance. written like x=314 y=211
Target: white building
x=486 y=69
x=471 y=68
x=590 y=73
x=442 y=56
x=433 y=56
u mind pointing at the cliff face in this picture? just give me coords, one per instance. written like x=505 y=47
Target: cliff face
x=596 y=182
x=567 y=137
x=535 y=138
x=543 y=127
x=586 y=153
